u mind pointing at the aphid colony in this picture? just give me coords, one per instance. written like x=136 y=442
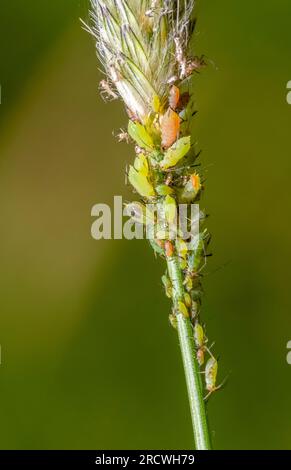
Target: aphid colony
x=164 y=174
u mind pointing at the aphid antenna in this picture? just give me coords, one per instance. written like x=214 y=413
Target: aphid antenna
x=206 y=398
x=186 y=167
x=204 y=264
x=211 y=62
x=214 y=271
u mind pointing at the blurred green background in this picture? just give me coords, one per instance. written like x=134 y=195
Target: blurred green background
x=88 y=359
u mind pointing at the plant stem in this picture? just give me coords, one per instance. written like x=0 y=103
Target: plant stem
x=191 y=367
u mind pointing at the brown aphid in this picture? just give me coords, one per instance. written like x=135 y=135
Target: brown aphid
x=187 y=65
x=170 y=128
x=174 y=97
x=195 y=64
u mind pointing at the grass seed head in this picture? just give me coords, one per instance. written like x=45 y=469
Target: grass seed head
x=142 y=45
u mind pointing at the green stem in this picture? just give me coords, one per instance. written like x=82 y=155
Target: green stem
x=191 y=367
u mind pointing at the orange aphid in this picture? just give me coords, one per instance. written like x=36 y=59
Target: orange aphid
x=170 y=128
x=196 y=182
x=174 y=97
x=169 y=248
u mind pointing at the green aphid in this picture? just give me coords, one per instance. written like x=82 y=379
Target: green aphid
x=170 y=209
x=211 y=370
x=182 y=309
x=195 y=308
x=175 y=153
x=183 y=263
x=197 y=255
x=140 y=183
x=188 y=300
x=141 y=164
x=188 y=283
x=140 y=135
x=164 y=190
x=173 y=321
x=168 y=286
x=200 y=343
x=156 y=247
x=199 y=335
x=191 y=189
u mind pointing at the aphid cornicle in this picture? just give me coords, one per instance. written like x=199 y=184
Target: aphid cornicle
x=168 y=286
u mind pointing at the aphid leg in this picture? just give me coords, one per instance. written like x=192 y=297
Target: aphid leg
x=209 y=349
x=215 y=389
